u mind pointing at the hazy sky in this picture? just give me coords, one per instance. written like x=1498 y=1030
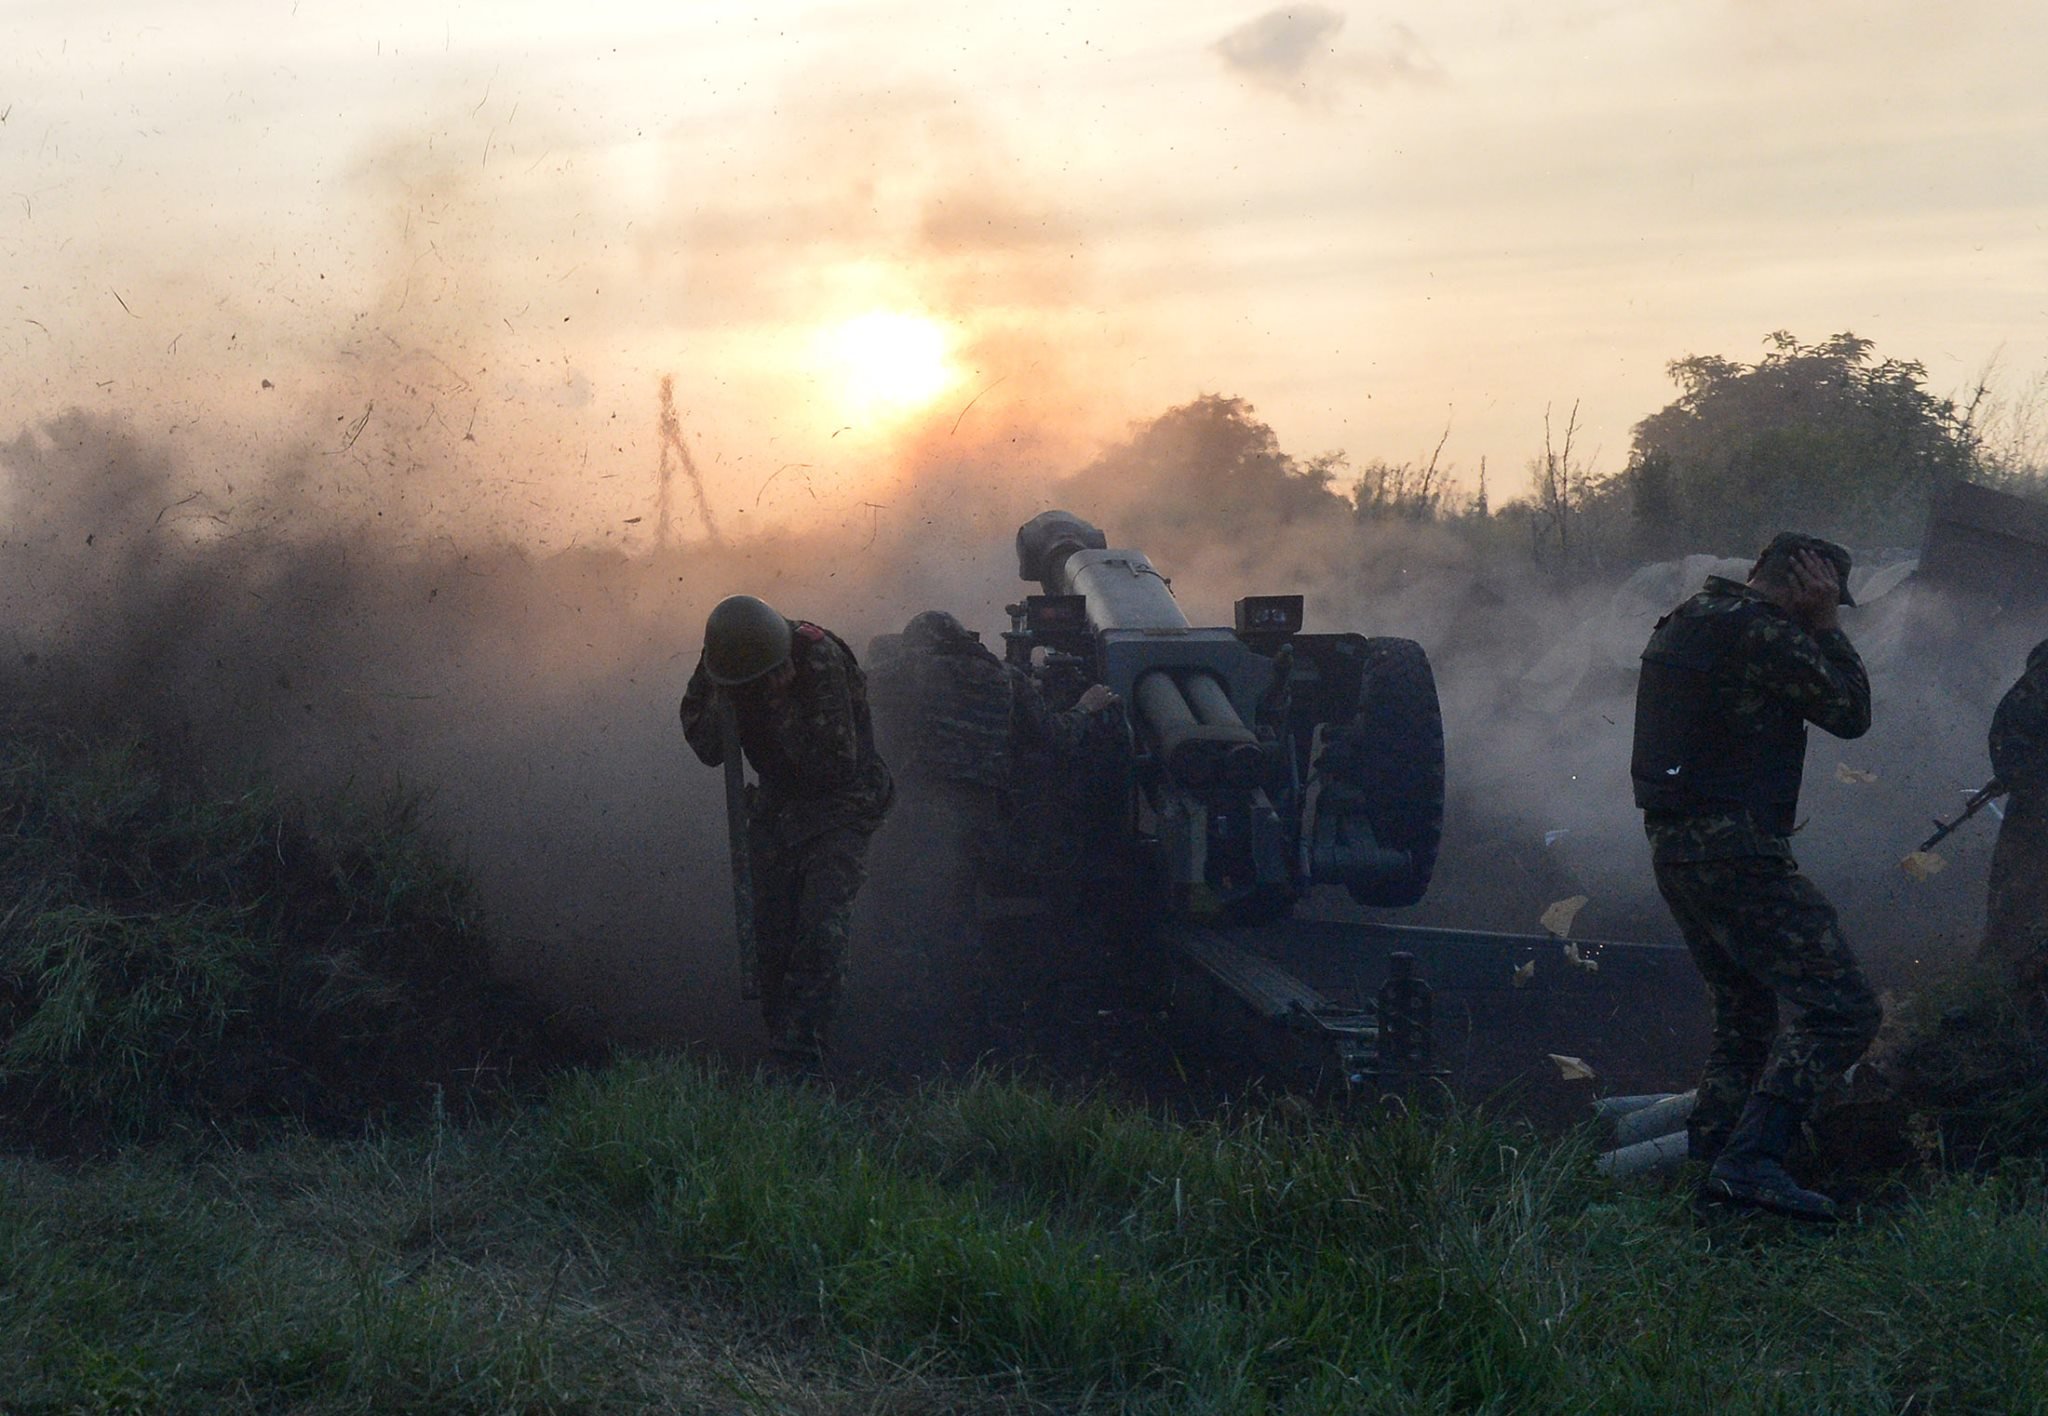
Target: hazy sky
x=855 y=233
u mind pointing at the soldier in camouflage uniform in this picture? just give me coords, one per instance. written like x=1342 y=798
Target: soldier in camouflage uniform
x=2016 y=906
x=957 y=721
x=942 y=704
x=954 y=720
x=942 y=717
x=802 y=711
x=1730 y=680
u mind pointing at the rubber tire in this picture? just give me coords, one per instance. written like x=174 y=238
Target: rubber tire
x=1401 y=724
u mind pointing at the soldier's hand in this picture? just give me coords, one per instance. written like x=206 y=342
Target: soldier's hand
x=1098 y=697
x=1816 y=593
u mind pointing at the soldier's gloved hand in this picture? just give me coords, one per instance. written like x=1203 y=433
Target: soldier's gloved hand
x=1098 y=697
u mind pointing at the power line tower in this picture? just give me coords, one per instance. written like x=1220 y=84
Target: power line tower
x=674 y=453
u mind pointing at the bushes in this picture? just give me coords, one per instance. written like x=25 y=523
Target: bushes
x=170 y=953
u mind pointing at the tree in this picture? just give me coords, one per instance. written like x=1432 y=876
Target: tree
x=1559 y=486
x=1208 y=467
x=1404 y=491
x=1822 y=437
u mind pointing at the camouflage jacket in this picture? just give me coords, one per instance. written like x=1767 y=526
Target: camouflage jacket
x=812 y=745
x=2019 y=731
x=1774 y=668
x=957 y=713
x=942 y=711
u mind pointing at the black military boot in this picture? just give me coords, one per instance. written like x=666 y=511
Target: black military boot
x=1751 y=1167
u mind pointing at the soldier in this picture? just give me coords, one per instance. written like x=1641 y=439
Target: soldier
x=956 y=721
x=2016 y=905
x=955 y=718
x=802 y=710
x=1730 y=680
x=942 y=704
x=942 y=717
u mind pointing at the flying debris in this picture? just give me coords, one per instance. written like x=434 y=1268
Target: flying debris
x=1572 y=1069
x=1558 y=918
x=1923 y=865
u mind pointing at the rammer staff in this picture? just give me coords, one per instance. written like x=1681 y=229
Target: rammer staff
x=736 y=832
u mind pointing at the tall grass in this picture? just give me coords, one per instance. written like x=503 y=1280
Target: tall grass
x=166 y=952
x=424 y=1272
x=1091 y=1252
x=659 y=1235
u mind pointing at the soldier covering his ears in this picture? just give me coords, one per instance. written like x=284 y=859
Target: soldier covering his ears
x=1730 y=680
x=800 y=700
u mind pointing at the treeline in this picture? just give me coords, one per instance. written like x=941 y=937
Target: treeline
x=1825 y=436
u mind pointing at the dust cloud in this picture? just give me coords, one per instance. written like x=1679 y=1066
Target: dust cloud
x=441 y=495
x=533 y=694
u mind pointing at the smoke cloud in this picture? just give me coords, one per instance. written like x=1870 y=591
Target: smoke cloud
x=415 y=531
x=534 y=694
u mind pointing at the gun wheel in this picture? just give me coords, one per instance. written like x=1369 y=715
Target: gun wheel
x=1400 y=727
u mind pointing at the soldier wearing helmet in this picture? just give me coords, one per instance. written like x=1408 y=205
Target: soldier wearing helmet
x=800 y=701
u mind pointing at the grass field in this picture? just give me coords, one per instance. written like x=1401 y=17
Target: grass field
x=655 y=1235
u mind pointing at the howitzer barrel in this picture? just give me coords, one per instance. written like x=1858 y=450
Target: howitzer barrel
x=1210 y=702
x=1203 y=741
x=1070 y=557
x=1193 y=688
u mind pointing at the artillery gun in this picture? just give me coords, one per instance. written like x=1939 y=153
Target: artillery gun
x=1262 y=760
x=1248 y=767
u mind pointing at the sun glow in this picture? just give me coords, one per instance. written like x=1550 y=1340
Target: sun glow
x=888 y=362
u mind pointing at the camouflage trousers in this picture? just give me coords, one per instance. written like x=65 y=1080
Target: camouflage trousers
x=1760 y=932
x=803 y=911
x=2016 y=901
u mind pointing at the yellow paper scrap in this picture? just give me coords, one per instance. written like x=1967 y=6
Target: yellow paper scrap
x=1525 y=973
x=1923 y=864
x=1577 y=960
x=1558 y=918
x=1852 y=775
x=1572 y=1069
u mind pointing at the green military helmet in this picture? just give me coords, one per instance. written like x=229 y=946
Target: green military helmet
x=744 y=638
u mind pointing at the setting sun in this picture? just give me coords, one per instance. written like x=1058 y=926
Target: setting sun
x=887 y=361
